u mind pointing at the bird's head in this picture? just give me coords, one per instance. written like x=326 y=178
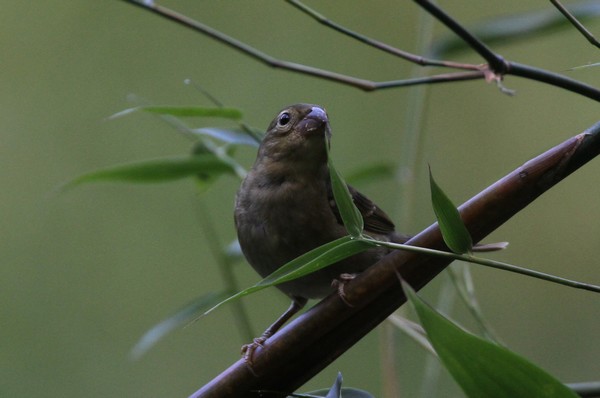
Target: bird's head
x=297 y=134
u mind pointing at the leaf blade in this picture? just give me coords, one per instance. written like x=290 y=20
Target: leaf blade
x=156 y=170
x=453 y=229
x=480 y=367
x=230 y=136
x=307 y=263
x=157 y=332
x=351 y=216
x=184 y=111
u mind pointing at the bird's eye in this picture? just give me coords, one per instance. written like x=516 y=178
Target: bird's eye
x=284 y=118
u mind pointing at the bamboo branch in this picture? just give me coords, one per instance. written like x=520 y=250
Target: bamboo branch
x=578 y=25
x=312 y=341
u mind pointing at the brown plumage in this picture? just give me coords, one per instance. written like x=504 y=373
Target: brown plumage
x=285 y=207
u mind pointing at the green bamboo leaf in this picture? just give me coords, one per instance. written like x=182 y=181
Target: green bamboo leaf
x=184 y=111
x=345 y=392
x=307 y=263
x=176 y=320
x=157 y=170
x=480 y=367
x=453 y=230
x=351 y=216
x=316 y=259
x=336 y=391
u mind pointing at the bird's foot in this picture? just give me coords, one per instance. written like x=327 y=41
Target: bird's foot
x=249 y=349
x=339 y=283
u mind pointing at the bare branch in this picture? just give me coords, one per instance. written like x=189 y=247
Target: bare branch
x=362 y=84
x=312 y=341
x=578 y=25
x=501 y=67
x=417 y=59
x=496 y=62
x=498 y=66
x=553 y=79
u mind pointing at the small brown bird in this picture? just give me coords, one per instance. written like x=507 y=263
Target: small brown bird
x=285 y=208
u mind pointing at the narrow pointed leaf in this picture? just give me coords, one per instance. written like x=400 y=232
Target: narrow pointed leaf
x=346 y=392
x=184 y=111
x=335 y=390
x=351 y=216
x=480 y=367
x=230 y=136
x=178 y=319
x=316 y=259
x=453 y=230
x=312 y=261
x=157 y=170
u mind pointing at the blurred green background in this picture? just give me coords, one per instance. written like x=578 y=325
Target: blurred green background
x=84 y=274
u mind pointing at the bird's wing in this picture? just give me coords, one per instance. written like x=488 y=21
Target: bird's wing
x=375 y=219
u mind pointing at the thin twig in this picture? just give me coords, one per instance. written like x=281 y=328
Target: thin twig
x=225 y=267
x=578 y=25
x=500 y=67
x=554 y=79
x=497 y=69
x=417 y=59
x=363 y=84
x=496 y=62
x=490 y=263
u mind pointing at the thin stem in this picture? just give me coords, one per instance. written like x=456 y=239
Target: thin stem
x=417 y=59
x=495 y=61
x=414 y=331
x=460 y=275
x=363 y=84
x=488 y=263
x=227 y=275
x=246 y=128
x=497 y=64
x=578 y=25
x=553 y=79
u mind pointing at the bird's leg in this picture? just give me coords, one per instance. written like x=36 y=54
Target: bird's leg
x=339 y=283
x=248 y=349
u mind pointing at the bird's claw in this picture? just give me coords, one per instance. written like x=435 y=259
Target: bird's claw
x=248 y=349
x=339 y=283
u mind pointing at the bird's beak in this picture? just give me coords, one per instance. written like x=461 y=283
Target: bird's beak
x=315 y=122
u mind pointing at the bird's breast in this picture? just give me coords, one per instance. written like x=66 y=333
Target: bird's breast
x=279 y=222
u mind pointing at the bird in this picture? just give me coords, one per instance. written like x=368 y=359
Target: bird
x=285 y=208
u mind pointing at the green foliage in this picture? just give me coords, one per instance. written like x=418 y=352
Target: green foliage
x=453 y=230
x=351 y=216
x=212 y=157
x=185 y=111
x=314 y=260
x=480 y=367
x=230 y=136
x=336 y=391
x=157 y=170
x=207 y=162
x=173 y=322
